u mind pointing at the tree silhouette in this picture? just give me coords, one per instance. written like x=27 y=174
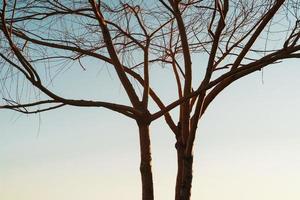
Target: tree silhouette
x=232 y=38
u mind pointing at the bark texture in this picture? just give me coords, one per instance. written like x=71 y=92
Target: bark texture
x=180 y=153
x=145 y=166
x=184 y=176
x=187 y=178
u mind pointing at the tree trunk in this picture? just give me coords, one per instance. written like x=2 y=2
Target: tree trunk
x=184 y=173
x=187 y=177
x=145 y=166
x=180 y=153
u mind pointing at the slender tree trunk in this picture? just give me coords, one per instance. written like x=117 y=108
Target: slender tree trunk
x=187 y=177
x=184 y=172
x=184 y=176
x=145 y=166
x=180 y=152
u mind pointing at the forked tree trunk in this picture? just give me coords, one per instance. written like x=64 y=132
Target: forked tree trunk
x=145 y=165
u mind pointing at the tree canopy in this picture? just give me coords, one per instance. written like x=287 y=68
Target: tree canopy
x=207 y=45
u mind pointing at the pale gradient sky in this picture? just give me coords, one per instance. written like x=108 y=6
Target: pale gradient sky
x=247 y=147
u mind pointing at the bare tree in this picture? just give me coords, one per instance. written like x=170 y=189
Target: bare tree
x=233 y=39
x=33 y=36
x=241 y=37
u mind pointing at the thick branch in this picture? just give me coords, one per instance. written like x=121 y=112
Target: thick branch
x=117 y=64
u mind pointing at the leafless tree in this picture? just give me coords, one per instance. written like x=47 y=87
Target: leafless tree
x=233 y=39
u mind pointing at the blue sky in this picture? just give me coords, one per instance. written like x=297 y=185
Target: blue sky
x=247 y=145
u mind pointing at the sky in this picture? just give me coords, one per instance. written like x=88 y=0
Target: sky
x=247 y=145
